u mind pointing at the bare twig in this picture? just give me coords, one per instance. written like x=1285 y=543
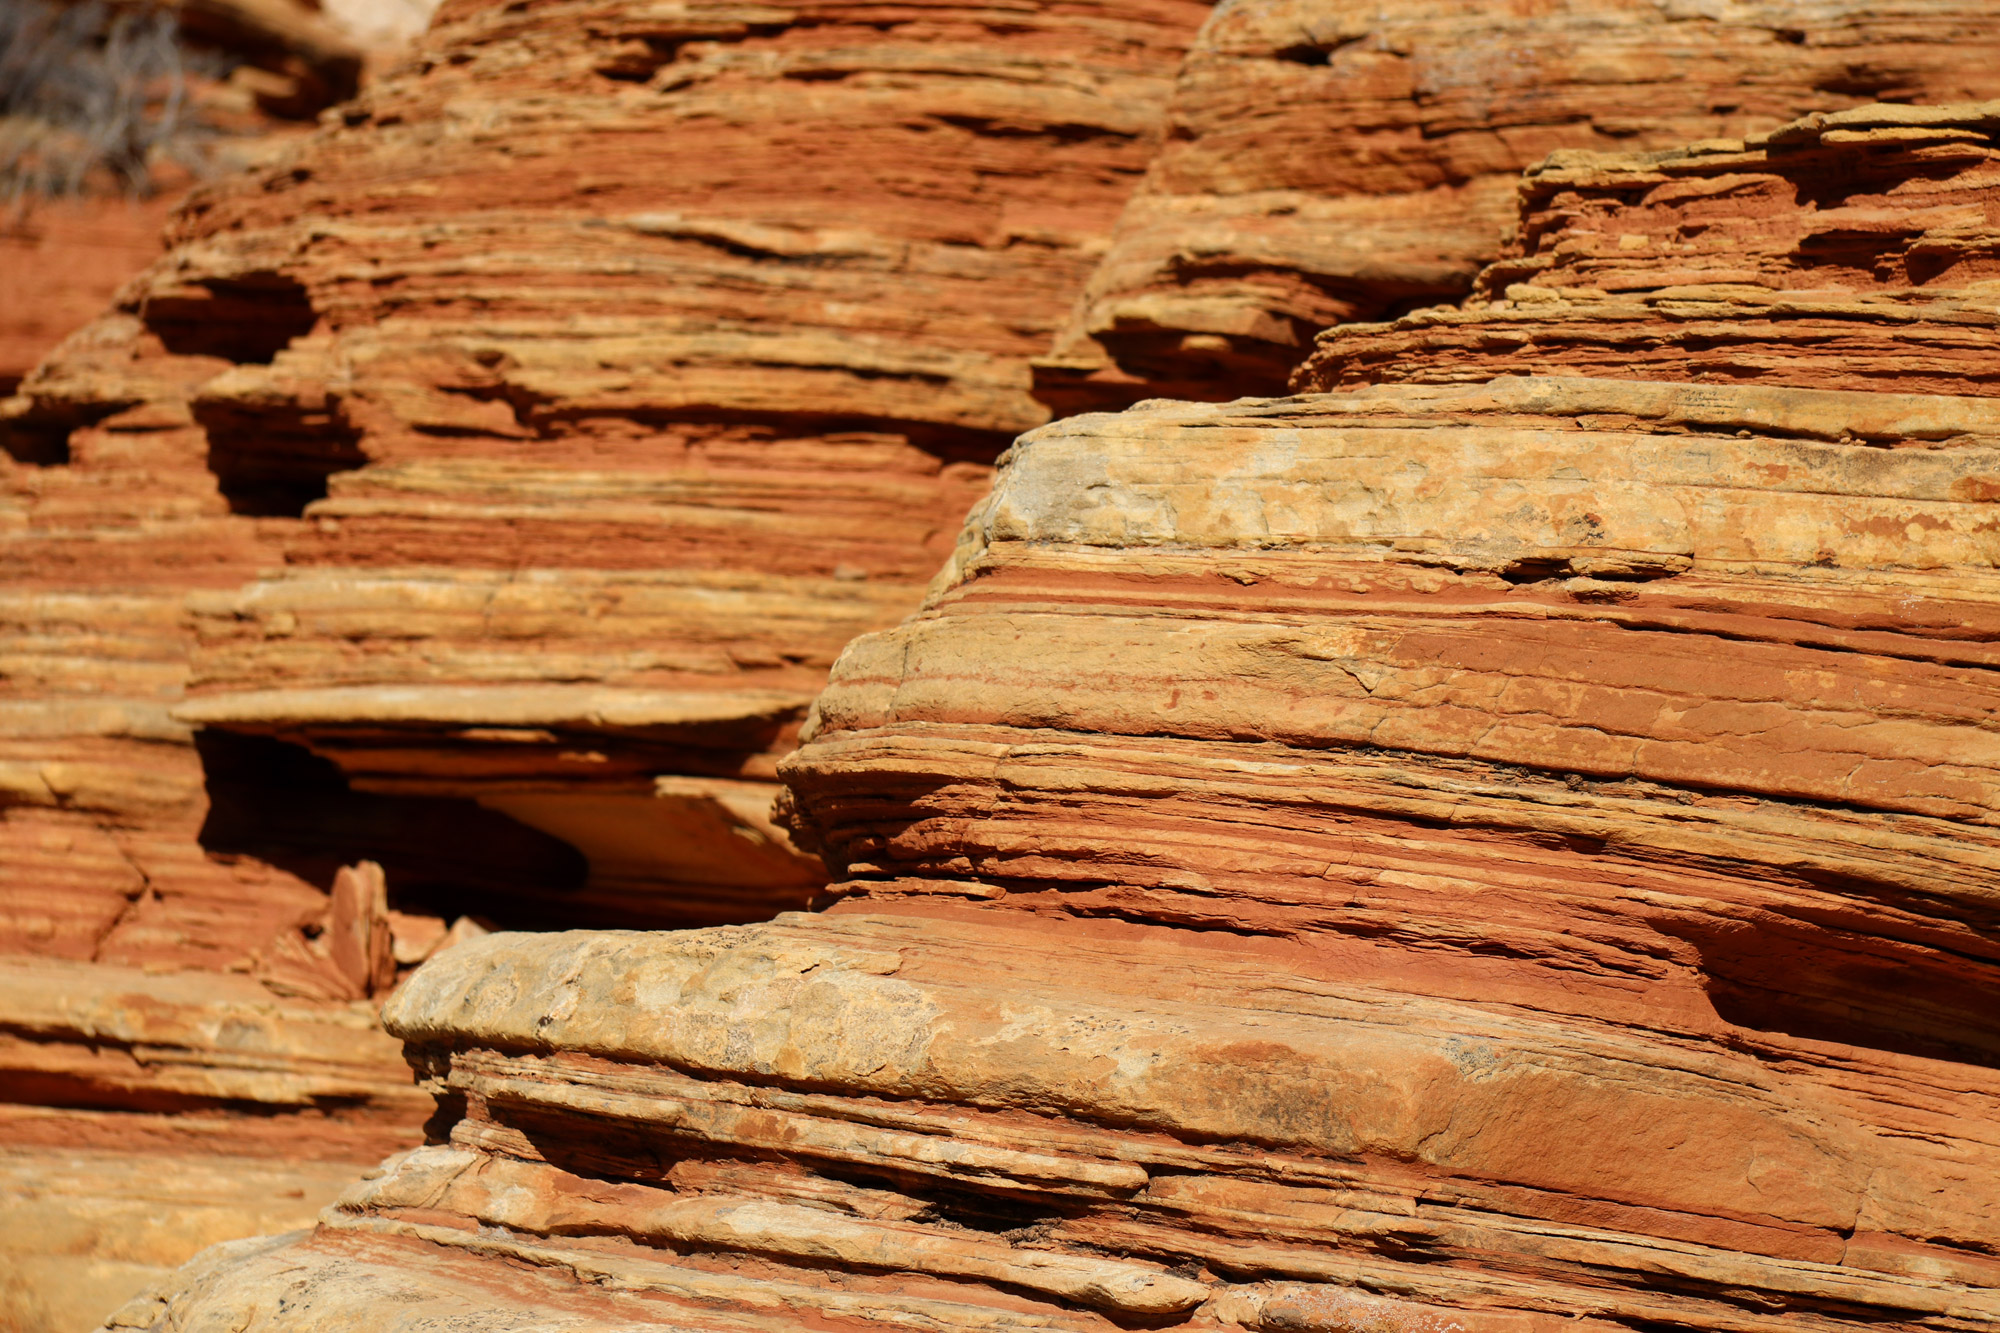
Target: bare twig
x=88 y=93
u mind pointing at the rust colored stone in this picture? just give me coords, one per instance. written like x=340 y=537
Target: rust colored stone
x=482 y=487
x=1840 y=251
x=1493 y=857
x=577 y=477
x=1330 y=162
x=362 y=947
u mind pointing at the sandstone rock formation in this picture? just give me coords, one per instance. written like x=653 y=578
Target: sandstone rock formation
x=108 y=112
x=1329 y=162
x=482 y=489
x=1699 y=264
x=1485 y=856
x=598 y=467
x=130 y=998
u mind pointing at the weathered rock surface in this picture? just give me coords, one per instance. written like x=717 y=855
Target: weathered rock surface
x=1113 y=1130
x=581 y=475
x=1329 y=163
x=1845 y=250
x=1496 y=856
x=483 y=488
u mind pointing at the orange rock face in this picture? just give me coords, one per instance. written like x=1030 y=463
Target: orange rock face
x=1702 y=264
x=1494 y=856
x=482 y=490
x=1504 y=842
x=61 y=264
x=598 y=467
x=1330 y=163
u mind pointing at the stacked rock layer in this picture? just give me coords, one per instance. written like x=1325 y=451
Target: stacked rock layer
x=109 y=110
x=1330 y=162
x=1842 y=251
x=589 y=471
x=1495 y=856
x=182 y=1061
x=483 y=488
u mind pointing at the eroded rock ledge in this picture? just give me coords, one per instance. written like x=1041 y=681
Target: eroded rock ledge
x=483 y=487
x=839 y=1118
x=1329 y=162
x=1855 y=249
x=1485 y=856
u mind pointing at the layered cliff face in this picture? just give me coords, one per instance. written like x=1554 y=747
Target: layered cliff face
x=621 y=366
x=483 y=489
x=1701 y=265
x=1488 y=856
x=185 y=1060
x=109 y=112
x=170 y=1021
x=1329 y=163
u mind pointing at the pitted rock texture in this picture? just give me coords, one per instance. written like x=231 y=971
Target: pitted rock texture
x=1505 y=856
x=1328 y=163
x=1843 y=250
x=943 y=1120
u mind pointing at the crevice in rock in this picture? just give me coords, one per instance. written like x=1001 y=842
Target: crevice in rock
x=1522 y=572
x=637 y=59
x=272 y=459
x=36 y=446
x=994 y=128
x=448 y=1111
x=1304 y=54
x=947 y=444
x=40 y=437
x=445 y=856
x=1875 y=83
x=1831 y=986
x=247 y=319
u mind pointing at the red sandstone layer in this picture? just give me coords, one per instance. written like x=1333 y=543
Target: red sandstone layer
x=1496 y=857
x=1328 y=163
x=1848 y=249
x=484 y=488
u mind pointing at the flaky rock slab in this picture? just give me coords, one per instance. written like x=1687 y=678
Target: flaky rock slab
x=1845 y=250
x=1447 y=857
x=1328 y=163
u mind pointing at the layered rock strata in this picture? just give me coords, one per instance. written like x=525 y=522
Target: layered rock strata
x=482 y=489
x=1329 y=163
x=593 y=470
x=167 y=1017
x=1842 y=251
x=1494 y=856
